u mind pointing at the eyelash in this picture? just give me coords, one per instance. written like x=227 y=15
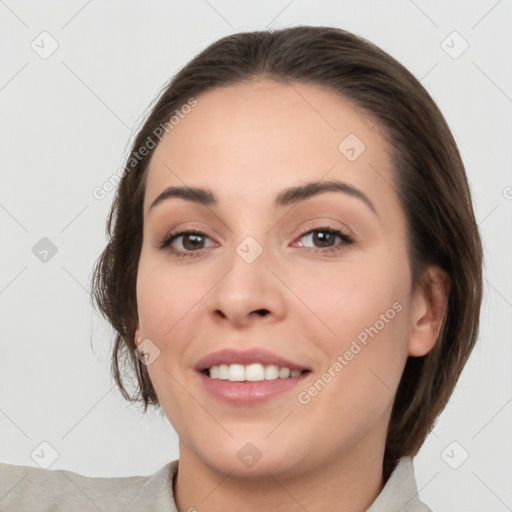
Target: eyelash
x=164 y=244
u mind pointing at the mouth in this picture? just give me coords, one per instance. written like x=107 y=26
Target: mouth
x=254 y=372
x=248 y=377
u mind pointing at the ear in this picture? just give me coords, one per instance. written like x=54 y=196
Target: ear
x=138 y=336
x=428 y=311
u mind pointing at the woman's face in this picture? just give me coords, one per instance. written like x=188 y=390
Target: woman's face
x=263 y=278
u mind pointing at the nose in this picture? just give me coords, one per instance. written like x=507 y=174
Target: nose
x=247 y=292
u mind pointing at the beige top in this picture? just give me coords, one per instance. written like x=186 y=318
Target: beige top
x=28 y=489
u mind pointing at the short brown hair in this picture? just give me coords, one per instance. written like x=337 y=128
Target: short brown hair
x=429 y=177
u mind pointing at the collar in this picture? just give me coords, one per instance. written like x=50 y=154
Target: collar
x=400 y=493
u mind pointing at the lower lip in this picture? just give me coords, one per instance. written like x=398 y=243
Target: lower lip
x=249 y=393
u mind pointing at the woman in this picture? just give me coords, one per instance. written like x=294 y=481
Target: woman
x=294 y=276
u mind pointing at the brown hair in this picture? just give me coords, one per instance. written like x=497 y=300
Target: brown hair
x=429 y=177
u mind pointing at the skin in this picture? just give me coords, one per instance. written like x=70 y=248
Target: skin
x=247 y=143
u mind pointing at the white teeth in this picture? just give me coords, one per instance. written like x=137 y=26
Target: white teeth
x=284 y=373
x=236 y=372
x=223 y=372
x=271 y=372
x=252 y=372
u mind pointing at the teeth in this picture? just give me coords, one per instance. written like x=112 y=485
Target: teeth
x=284 y=373
x=271 y=372
x=223 y=372
x=236 y=372
x=252 y=372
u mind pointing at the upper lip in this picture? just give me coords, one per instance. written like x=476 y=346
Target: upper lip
x=245 y=357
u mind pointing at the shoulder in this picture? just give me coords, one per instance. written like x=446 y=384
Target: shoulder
x=25 y=488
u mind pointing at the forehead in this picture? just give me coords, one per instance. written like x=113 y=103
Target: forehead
x=256 y=138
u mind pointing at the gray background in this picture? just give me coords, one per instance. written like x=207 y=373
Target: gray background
x=66 y=123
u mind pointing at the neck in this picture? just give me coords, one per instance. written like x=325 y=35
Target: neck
x=350 y=482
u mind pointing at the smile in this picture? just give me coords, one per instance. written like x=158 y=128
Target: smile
x=251 y=373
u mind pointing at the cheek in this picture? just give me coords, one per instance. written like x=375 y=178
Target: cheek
x=359 y=313
x=344 y=300
x=365 y=356
x=169 y=306
x=166 y=297
x=165 y=300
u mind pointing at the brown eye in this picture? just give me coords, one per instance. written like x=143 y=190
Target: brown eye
x=325 y=238
x=184 y=242
x=192 y=242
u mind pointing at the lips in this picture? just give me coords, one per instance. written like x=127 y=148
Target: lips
x=247 y=389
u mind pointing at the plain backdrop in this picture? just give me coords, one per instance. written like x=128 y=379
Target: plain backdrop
x=75 y=82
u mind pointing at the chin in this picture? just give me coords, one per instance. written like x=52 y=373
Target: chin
x=245 y=471
x=246 y=459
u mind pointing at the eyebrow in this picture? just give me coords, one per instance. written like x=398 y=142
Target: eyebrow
x=287 y=197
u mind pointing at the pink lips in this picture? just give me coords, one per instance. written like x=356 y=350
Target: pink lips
x=247 y=393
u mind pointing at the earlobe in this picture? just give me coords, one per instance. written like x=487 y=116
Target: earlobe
x=138 y=336
x=428 y=312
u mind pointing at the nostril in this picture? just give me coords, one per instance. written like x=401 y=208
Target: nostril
x=261 y=312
